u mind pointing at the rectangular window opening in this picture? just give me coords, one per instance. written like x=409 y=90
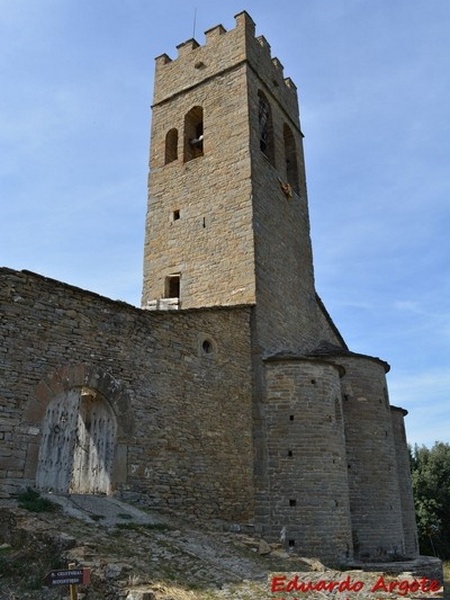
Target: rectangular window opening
x=292 y=502
x=175 y=215
x=172 y=287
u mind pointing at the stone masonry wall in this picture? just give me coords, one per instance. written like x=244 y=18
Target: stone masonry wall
x=188 y=440
x=404 y=478
x=224 y=50
x=287 y=315
x=211 y=243
x=222 y=221
x=307 y=490
x=372 y=467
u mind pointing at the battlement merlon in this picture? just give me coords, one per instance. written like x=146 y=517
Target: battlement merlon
x=223 y=50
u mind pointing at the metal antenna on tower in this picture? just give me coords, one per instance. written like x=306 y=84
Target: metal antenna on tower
x=195 y=19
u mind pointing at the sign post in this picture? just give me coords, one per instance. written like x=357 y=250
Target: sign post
x=72 y=576
x=72 y=587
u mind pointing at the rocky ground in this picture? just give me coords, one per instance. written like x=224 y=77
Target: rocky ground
x=139 y=556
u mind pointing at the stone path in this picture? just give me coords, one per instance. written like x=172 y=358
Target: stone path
x=105 y=510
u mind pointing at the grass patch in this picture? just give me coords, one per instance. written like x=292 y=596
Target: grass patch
x=26 y=571
x=32 y=500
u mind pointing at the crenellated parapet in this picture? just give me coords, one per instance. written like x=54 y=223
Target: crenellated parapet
x=223 y=50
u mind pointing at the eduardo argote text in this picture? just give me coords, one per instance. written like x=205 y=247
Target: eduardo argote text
x=401 y=587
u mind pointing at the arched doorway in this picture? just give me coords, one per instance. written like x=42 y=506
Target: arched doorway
x=77 y=447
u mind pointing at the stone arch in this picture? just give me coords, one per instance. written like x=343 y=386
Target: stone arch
x=171 y=151
x=84 y=420
x=193 y=133
x=77 y=446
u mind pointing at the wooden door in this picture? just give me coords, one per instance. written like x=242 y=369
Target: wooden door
x=78 y=443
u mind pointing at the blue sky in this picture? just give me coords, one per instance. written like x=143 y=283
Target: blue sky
x=373 y=77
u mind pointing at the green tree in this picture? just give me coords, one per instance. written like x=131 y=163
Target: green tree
x=430 y=469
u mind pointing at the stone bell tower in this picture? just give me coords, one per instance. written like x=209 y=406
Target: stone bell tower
x=227 y=220
x=228 y=225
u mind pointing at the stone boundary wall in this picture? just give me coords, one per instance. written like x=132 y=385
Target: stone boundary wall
x=186 y=438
